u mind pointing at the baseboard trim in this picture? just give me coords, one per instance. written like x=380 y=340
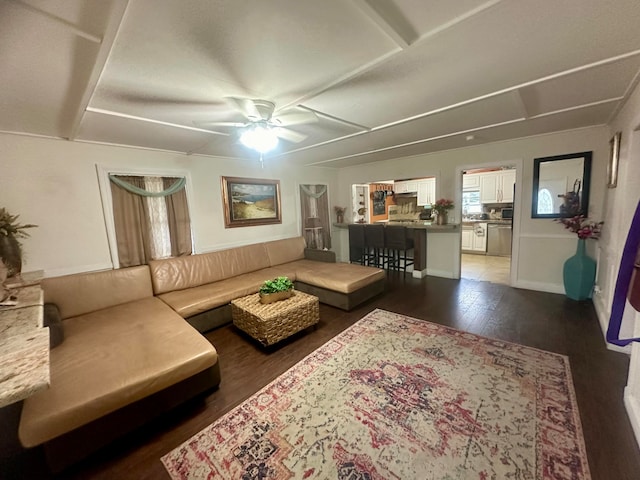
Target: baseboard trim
x=633 y=410
x=540 y=286
x=440 y=273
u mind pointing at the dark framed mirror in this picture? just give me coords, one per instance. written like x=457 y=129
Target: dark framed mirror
x=561 y=185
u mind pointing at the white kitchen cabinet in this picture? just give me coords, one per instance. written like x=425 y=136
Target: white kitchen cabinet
x=467 y=239
x=497 y=187
x=471 y=181
x=405 y=186
x=426 y=191
x=474 y=238
x=489 y=187
x=508 y=180
x=479 y=240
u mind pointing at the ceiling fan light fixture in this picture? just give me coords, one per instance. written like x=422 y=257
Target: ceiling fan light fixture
x=260 y=138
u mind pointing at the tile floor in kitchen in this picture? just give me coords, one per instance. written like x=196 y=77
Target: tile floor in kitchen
x=486 y=268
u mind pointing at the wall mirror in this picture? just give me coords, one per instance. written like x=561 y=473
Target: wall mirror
x=561 y=185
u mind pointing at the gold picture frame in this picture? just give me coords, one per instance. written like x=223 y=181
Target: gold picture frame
x=614 y=157
x=250 y=201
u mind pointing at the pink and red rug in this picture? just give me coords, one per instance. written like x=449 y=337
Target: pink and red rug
x=394 y=397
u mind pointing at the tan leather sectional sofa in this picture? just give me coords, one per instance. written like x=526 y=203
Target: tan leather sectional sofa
x=200 y=287
x=129 y=354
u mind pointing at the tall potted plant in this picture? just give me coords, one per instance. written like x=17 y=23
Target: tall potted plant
x=579 y=271
x=10 y=247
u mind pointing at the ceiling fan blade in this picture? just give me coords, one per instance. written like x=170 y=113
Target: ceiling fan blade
x=295 y=118
x=289 y=135
x=219 y=124
x=246 y=106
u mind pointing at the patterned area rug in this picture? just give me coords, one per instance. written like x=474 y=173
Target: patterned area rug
x=394 y=397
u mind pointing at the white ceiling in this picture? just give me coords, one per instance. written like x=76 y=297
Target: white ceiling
x=387 y=78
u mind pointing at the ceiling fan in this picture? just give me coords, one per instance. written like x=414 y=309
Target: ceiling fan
x=262 y=128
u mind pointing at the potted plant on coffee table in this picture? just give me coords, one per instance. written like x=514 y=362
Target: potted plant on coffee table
x=279 y=288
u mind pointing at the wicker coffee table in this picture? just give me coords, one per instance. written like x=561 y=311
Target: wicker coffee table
x=269 y=323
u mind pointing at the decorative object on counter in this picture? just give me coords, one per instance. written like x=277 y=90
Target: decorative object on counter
x=4 y=272
x=579 y=271
x=339 y=214
x=10 y=246
x=441 y=207
x=280 y=288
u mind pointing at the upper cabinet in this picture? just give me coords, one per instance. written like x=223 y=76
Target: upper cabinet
x=471 y=181
x=426 y=191
x=405 y=186
x=497 y=187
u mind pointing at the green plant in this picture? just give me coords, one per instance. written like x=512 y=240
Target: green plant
x=278 y=284
x=9 y=226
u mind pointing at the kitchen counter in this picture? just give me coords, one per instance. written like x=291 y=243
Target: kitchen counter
x=429 y=226
x=441 y=238
x=495 y=221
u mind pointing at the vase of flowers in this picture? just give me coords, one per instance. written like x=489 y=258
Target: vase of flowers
x=339 y=214
x=442 y=206
x=579 y=271
x=10 y=247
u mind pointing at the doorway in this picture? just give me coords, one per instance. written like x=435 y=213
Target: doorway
x=487 y=200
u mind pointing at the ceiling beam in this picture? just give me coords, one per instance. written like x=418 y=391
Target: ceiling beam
x=111 y=32
x=150 y=120
x=397 y=29
x=577 y=107
x=519 y=103
x=59 y=21
x=417 y=142
x=336 y=119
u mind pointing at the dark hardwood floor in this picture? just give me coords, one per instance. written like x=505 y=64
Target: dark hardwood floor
x=546 y=321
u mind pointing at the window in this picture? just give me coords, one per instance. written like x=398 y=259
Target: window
x=471 y=202
x=545 y=201
x=147 y=216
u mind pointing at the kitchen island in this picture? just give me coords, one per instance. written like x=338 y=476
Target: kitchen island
x=436 y=247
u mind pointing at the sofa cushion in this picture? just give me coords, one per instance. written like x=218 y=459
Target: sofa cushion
x=193 y=301
x=87 y=292
x=284 y=251
x=111 y=358
x=340 y=277
x=194 y=270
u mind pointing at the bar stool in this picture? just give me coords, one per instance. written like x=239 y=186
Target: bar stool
x=357 y=246
x=374 y=241
x=398 y=242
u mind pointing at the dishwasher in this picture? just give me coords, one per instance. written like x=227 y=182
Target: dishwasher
x=499 y=240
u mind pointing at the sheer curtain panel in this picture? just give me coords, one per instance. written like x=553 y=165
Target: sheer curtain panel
x=151 y=218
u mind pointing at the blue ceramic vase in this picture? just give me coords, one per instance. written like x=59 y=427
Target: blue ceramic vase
x=579 y=274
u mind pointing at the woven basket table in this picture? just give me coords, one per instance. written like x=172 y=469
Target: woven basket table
x=269 y=323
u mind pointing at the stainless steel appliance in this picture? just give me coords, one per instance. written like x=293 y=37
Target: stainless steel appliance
x=507 y=213
x=499 y=239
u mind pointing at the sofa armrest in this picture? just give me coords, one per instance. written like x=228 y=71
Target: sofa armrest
x=320 y=255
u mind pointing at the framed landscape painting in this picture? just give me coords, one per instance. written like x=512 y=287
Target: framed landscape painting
x=250 y=201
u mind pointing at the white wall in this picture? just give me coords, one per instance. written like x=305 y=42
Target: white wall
x=619 y=206
x=54 y=184
x=543 y=244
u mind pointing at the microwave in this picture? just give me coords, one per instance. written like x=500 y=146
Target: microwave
x=507 y=213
